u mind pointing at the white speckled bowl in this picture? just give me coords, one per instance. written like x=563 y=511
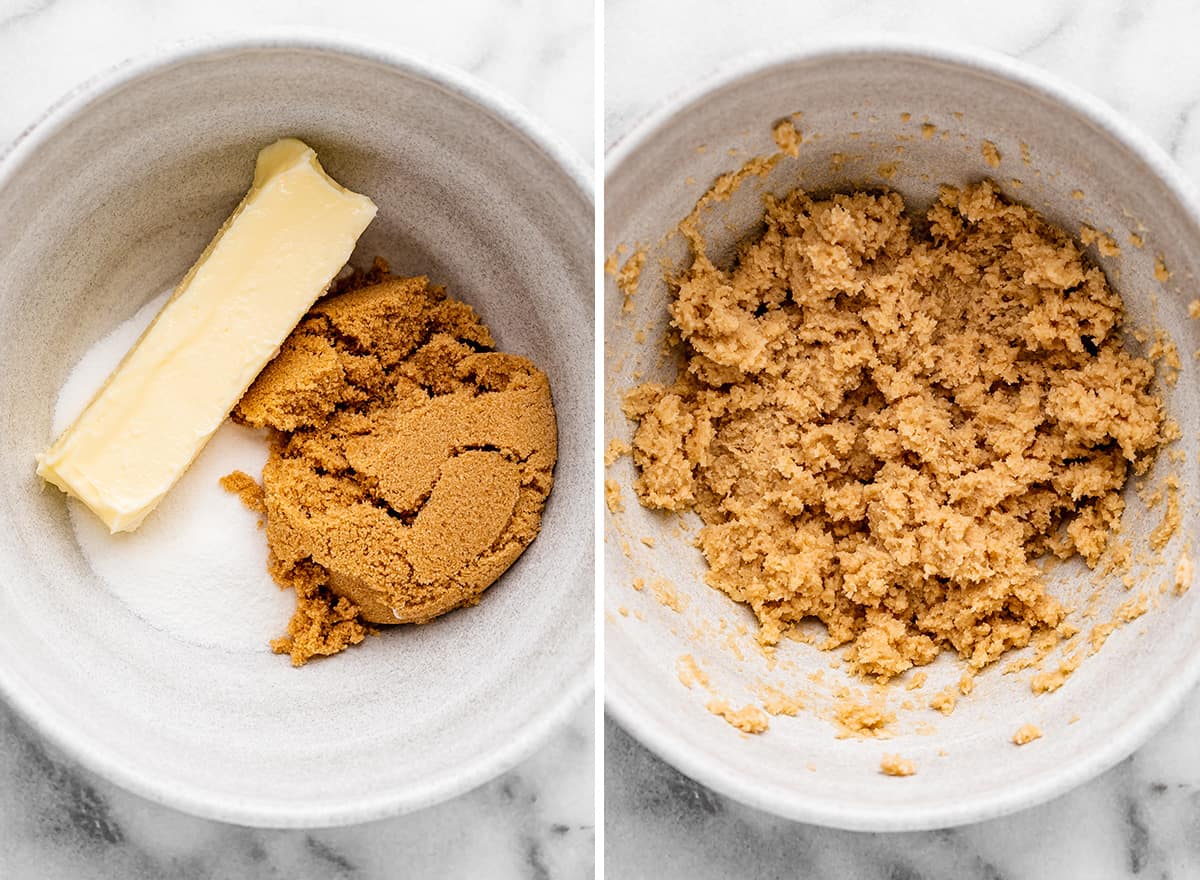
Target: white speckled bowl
x=105 y=203
x=798 y=769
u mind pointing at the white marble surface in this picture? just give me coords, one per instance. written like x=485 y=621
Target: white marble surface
x=59 y=821
x=1142 y=819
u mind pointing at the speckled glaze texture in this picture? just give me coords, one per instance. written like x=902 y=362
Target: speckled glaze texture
x=106 y=204
x=860 y=101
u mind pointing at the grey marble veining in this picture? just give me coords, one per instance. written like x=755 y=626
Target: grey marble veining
x=1142 y=818
x=539 y=52
x=58 y=821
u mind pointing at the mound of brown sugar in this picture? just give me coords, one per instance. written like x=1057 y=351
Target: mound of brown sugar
x=245 y=487
x=883 y=423
x=408 y=467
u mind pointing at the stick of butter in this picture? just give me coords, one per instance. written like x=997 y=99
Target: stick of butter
x=270 y=261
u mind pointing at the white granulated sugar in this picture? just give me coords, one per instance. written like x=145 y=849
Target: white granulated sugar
x=196 y=567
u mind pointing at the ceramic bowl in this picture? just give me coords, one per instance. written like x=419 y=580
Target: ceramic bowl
x=1064 y=153
x=103 y=205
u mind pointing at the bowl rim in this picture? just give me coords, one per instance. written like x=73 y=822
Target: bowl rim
x=72 y=739
x=971 y=807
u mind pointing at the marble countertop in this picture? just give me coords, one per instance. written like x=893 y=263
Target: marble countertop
x=60 y=821
x=1141 y=819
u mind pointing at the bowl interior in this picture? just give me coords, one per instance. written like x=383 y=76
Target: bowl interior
x=111 y=208
x=863 y=113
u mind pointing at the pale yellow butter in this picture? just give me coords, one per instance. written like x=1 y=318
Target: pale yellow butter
x=269 y=262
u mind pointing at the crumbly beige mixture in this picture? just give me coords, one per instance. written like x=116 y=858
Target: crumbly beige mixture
x=854 y=718
x=1100 y=633
x=894 y=765
x=1165 y=354
x=1043 y=643
x=689 y=672
x=1026 y=733
x=1105 y=244
x=1131 y=609
x=1127 y=612
x=1172 y=516
x=779 y=702
x=883 y=423
x=787 y=137
x=991 y=155
x=1051 y=680
x=748 y=719
x=408 y=465
x=1183 y=573
x=944 y=701
x=616 y=448
x=665 y=592
x=612 y=496
x=628 y=276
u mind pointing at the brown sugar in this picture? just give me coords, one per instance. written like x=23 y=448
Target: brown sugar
x=246 y=488
x=409 y=463
x=323 y=622
x=884 y=423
